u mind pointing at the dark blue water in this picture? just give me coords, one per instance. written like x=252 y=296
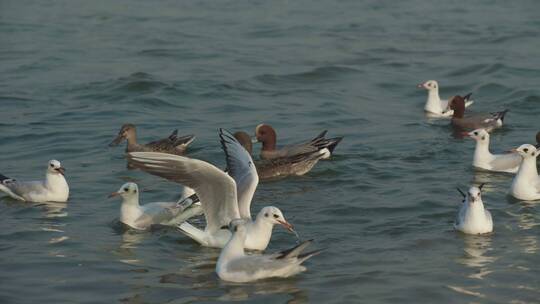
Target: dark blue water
x=71 y=72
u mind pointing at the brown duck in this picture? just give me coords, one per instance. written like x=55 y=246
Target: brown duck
x=172 y=144
x=267 y=136
x=488 y=121
x=281 y=167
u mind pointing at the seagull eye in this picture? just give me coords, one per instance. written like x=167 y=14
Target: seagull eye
x=525 y=150
x=276 y=216
x=475 y=133
x=52 y=165
x=126 y=189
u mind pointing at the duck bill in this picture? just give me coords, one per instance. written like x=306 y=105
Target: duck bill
x=287 y=225
x=114 y=194
x=61 y=170
x=116 y=141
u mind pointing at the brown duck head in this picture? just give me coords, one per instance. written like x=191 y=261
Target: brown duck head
x=128 y=132
x=267 y=136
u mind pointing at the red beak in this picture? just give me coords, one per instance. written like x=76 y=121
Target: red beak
x=113 y=194
x=287 y=225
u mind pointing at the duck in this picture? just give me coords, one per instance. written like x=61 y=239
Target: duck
x=281 y=167
x=224 y=196
x=526 y=183
x=233 y=265
x=484 y=159
x=142 y=217
x=266 y=135
x=472 y=217
x=53 y=189
x=435 y=106
x=489 y=122
x=172 y=144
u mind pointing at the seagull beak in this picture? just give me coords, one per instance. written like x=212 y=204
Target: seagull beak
x=420 y=86
x=465 y=134
x=114 y=194
x=117 y=140
x=61 y=170
x=287 y=225
x=254 y=140
x=513 y=151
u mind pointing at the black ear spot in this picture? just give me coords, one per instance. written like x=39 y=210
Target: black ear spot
x=235 y=228
x=483 y=137
x=266 y=214
x=533 y=154
x=135 y=191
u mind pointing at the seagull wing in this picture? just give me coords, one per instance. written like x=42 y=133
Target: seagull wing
x=240 y=166
x=215 y=189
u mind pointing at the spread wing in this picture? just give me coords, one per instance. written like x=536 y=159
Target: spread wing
x=240 y=166
x=215 y=189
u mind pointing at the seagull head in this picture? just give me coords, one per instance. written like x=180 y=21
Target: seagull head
x=274 y=216
x=478 y=135
x=475 y=194
x=127 y=131
x=55 y=167
x=265 y=134
x=127 y=190
x=429 y=85
x=526 y=151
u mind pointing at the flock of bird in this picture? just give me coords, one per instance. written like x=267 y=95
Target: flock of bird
x=472 y=217
x=224 y=196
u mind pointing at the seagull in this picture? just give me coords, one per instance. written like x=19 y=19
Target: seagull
x=223 y=196
x=483 y=159
x=281 y=167
x=172 y=144
x=53 y=189
x=473 y=218
x=234 y=265
x=435 y=106
x=479 y=121
x=266 y=135
x=526 y=183
x=162 y=213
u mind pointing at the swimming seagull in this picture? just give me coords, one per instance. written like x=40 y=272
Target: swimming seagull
x=234 y=265
x=473 y=218
x=435 y=106
x=162 y=213
x=486 y=121
x=526 y=183
x=172 y=144
x=53 y=189
x=266 y=135
x=223 y=196
x=280 y=167
x=483 y=159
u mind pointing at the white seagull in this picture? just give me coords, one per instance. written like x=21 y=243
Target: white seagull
x=234 y=265
x=483 y=159
x=435 y=106
x=53 y=189
x=526 y=183
x=473 y=218
x=222 y=197
x=162 y=213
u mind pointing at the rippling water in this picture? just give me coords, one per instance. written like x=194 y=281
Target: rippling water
x=72 y=72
